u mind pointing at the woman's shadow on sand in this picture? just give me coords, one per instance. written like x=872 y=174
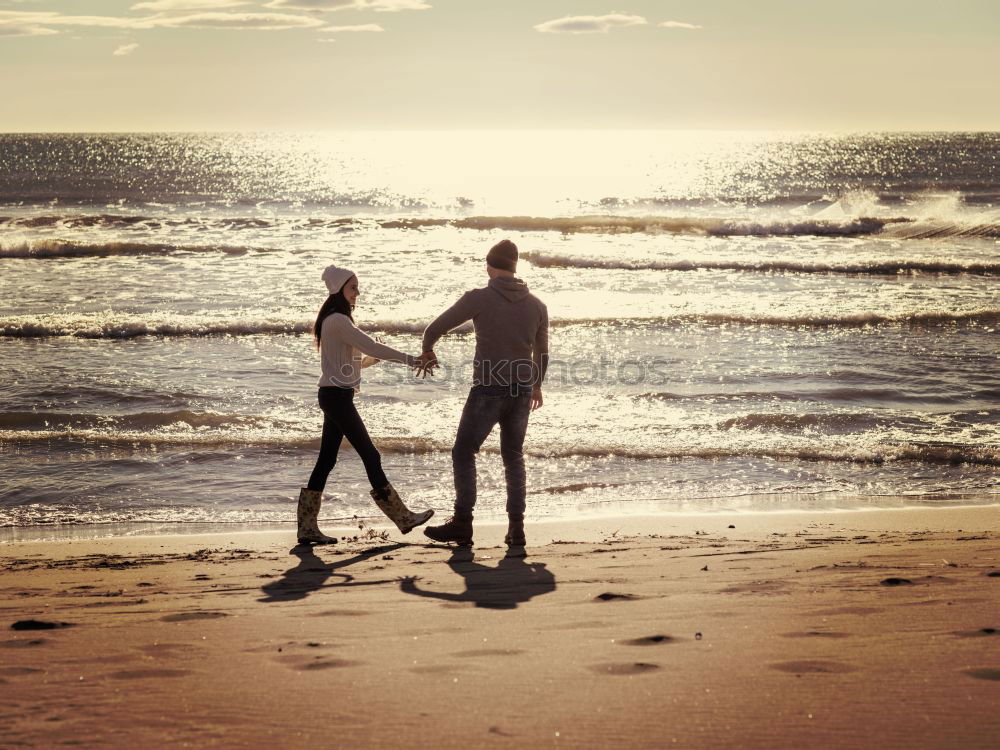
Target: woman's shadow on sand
x=513 y=581
x=312 y=573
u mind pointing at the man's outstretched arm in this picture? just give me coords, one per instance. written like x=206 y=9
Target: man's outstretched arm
x=462 y=311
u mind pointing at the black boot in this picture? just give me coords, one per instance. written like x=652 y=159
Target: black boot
x=515 y=530
x=457 y=529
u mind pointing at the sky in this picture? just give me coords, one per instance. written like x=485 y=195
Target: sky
x=196 y=65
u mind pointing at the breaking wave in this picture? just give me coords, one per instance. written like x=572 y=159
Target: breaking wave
x=899 y=227
x=892 y=227
x=180 y=418
x=146 y=223
x=681 y=225
x=47 y=248
x=931 y=454
x=126 y=326
x=115 y=326
x=123 y=326
x=297 y=440
x=838 y=421
x=847 y=394
x=880 y=267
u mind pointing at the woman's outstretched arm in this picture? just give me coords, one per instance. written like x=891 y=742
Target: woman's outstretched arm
x=345 y=329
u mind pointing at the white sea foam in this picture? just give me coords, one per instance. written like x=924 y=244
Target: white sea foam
x=54 y=248
x=114 y=325
x=877 y=267
x=859 y=452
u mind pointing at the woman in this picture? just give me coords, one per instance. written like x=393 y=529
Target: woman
x=339 y=342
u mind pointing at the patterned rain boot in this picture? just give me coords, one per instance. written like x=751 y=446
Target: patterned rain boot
x=390 y=503
x=456 y=529
x=309 y=533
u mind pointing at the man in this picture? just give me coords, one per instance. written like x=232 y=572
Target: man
x=512 y=352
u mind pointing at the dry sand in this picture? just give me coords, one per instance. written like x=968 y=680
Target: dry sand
x=873 y=629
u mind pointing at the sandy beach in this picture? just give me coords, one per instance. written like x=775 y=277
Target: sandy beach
x=842 y=629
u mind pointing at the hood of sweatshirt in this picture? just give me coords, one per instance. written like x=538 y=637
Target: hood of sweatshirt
x=513 y=290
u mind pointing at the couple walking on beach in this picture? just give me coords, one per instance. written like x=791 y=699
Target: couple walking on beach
x=511 y=357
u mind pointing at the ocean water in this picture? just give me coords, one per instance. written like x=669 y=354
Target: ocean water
x=741 y=321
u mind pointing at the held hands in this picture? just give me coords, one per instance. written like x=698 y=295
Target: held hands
x=536 y=397
x=426 y=364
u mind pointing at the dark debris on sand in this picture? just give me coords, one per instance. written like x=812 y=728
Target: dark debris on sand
x=122 y=562
x=39 y=625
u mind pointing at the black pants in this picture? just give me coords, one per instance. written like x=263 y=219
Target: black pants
x=340 y=420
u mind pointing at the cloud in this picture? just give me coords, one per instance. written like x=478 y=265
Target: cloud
x=374 y=27
x=125 y=49
x=47 y=18
x=678 y=25
x=379 y=6
x=168 y=5
x=589 y=24
x=252 y=21
x=41 y=22
x=22 y=29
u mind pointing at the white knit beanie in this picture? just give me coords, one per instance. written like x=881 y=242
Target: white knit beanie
x=335 y=278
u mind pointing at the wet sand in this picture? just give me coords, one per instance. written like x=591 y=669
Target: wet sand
x=871 y=629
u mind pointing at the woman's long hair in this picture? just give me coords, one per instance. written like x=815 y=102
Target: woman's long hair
x=335 y=303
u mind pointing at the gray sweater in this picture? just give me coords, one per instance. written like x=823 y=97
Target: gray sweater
x=512 y=332
x=341 y=346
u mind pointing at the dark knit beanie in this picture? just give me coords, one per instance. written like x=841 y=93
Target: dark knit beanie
x=503 y=255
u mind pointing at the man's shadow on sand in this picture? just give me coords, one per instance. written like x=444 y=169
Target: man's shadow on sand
x=513 y=581
x=312 y=574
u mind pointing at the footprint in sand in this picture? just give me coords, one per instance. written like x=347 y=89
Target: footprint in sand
x=144 y=674
x=327 y=664
x=981 y=633
x=18 y=671
x=609 y=596
x=166 y=649
x=846 y=611
x=342 y=613
x=756 y=587
x=984 y=674
x=307 y=660
x=23 y=643
x=638 y=667
x=188 y=616
x=489 y=652
x=813 y=666
x=650 y=640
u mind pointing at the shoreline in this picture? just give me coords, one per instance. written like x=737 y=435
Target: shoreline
x=58 y=533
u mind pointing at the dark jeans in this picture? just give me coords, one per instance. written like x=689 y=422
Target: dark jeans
x=486 y=407
x=340 y=420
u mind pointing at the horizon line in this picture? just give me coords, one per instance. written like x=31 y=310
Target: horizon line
x=185 y=131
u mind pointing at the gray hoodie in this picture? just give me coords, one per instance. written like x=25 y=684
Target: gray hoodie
x=512 y=332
